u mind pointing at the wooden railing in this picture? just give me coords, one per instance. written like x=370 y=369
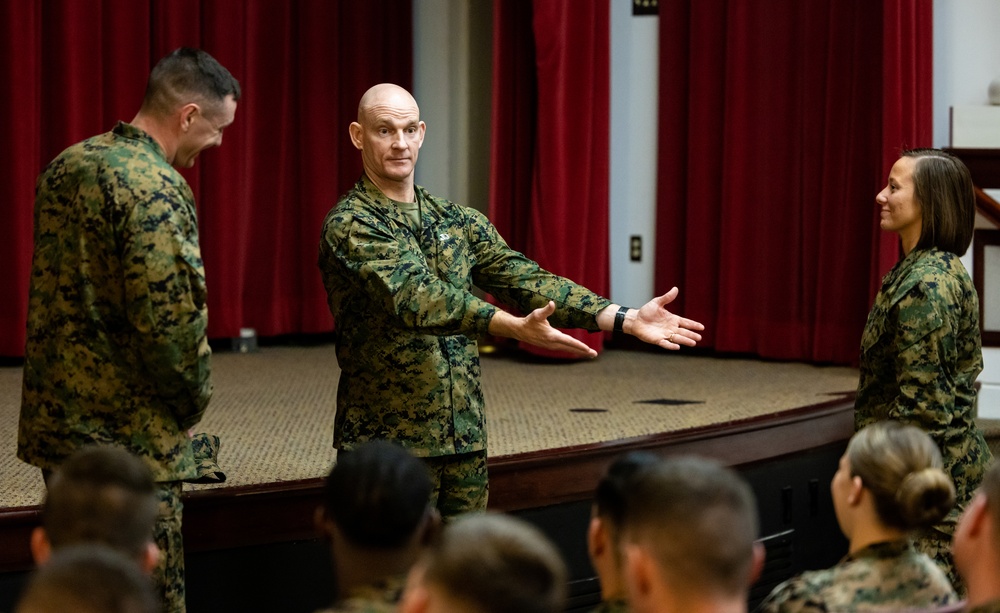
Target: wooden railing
x=988 y=207
x=984 y=165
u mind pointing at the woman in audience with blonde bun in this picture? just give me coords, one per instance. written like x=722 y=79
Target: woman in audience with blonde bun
x=889 y=484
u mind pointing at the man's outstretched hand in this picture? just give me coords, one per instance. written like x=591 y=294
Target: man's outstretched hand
x=534 y=329
x=654 y=324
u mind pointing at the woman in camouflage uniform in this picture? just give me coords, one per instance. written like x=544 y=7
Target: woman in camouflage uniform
x=921 y=351
x=890 y=482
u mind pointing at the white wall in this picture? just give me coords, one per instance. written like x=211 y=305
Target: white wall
x=634 y=93
x=452 y=47
x=966 y=59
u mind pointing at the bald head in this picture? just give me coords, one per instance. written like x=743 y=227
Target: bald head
x=386 y=97
x=389 y=134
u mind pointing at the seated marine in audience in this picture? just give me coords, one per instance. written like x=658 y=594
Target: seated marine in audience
x=890 y=483
x=89 y=578
x=689 y=538
x=377 y=518
x=976 y=548
x=604 y=532
x=487 y=563
x=100 y=494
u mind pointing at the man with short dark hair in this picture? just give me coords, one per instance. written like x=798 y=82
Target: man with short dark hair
x=976 y=548
x=100 y=494
x=689 y=538
x=604 y=535
x=116 y=349
x=377 y=517
x=488 y=563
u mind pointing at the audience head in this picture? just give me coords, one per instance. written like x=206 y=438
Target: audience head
x=488 y=563
x=100 y=494
x=976 y=546
x=689 y=536
x=608 y=513
x=90 y=578
x=378 y=497
x=901 y=468
x=944 y=192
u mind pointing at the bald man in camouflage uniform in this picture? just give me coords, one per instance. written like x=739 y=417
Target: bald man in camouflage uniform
x=116 y=347
x=921 y=350
x=399 y=266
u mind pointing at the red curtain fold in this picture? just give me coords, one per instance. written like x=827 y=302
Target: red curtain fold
x=562 y=222
x=19 y=38
x=75 y=67
x=775 y=132
x=907 y=106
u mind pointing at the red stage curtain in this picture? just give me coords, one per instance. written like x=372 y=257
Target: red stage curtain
x=777 y=129
x=74 y=67
x=560 y=218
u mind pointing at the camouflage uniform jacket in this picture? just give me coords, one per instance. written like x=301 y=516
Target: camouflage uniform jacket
x=116 y=346
x=407 y=318
x=616 y=605
x=889 y=576
x=379 y=597
x=920 y=356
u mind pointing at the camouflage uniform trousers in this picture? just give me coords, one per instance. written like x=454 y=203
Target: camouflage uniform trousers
x=168 y=575
x=461 y=484
x=936 y=544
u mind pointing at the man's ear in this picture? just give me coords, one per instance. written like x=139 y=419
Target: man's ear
x=150 y=558
x=640 y=573
x=757 y=565
x=188 y=113
x=41 y=548
x=597 y=537
x=430 y=531
x=322 y=524
x=422 y=127
x=976 y=516
x=356 y=131
x=416 y=599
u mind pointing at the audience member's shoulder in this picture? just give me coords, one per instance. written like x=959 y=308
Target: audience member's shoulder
x=802 y=593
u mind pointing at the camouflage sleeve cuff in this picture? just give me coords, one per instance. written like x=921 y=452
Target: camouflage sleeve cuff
x=476 y=323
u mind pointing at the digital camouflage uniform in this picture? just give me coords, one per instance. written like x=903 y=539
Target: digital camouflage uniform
x=407 y=319
x=116 y=348
x=891 y=576
x=380 y=597
x=617 y=605
x=920 y=356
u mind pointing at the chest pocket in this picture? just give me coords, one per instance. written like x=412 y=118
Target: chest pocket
x=877 y=326
x=454 y=257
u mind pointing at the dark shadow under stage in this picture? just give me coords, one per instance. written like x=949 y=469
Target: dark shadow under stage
x=553 y=428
